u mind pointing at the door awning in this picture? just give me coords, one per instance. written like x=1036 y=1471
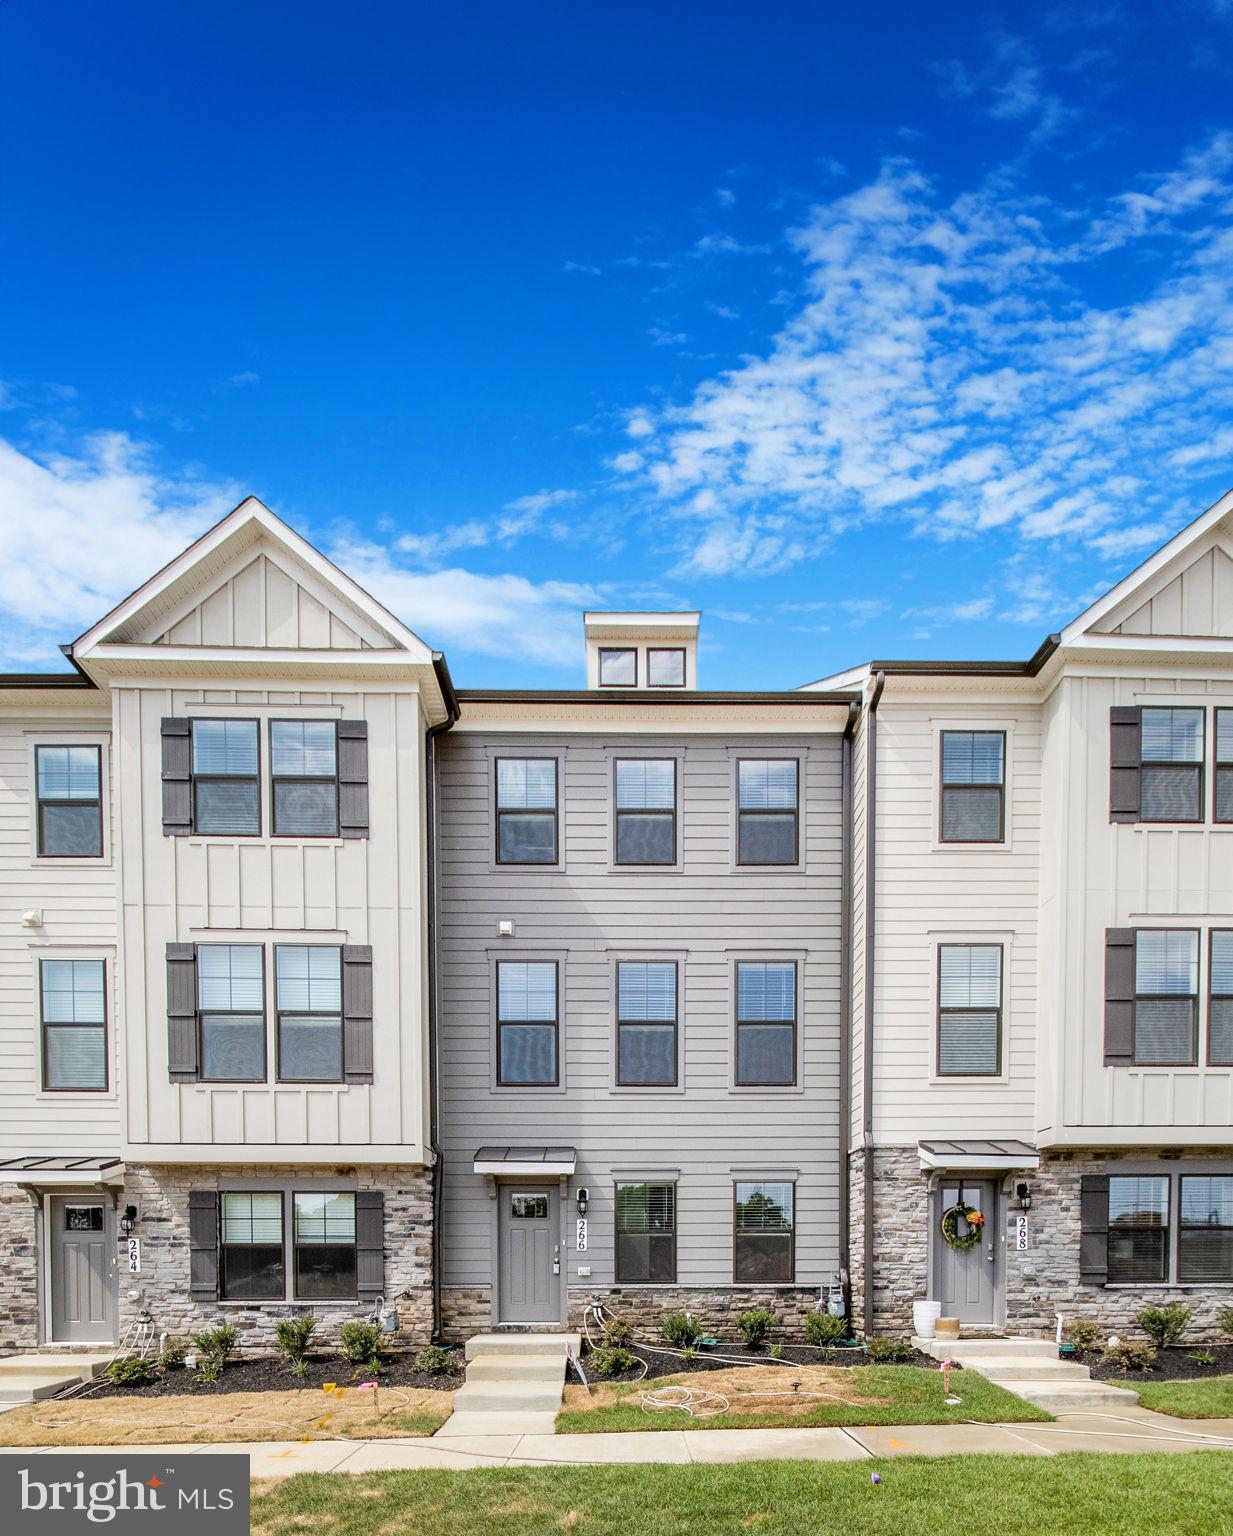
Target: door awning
x=46 y=1172
x=979 y=1156
x=526 y=1162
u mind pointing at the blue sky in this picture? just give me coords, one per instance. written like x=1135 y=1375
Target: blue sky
x=896 y=332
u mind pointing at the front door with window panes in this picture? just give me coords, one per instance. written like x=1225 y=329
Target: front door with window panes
x=81 y=1249
x=530 y=1255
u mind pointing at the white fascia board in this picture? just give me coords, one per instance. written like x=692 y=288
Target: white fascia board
x=66 y=1177
x=528 y=1170
x=963 y=1163
x=838 y=682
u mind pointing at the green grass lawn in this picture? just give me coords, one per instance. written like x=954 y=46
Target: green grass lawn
x=1072 y=1495
x=1208 y=1399
x=906 y=1395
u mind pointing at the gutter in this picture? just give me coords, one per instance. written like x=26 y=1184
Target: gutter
x=434 y=1081
x=871 y=832
x=845 y=998
x=666 y=696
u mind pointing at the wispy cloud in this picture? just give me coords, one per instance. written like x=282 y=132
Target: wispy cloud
x=517 y=518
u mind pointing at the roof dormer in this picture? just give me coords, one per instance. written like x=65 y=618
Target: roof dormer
x=642 y=650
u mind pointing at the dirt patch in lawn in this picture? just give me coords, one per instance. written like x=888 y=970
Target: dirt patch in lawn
x=272 y=1373
x=1174 y=1364
x=164 y=1419
x=661 y=1363
x=792 y=1393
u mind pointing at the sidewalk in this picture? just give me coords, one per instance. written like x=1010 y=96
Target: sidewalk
x=1127 y=1430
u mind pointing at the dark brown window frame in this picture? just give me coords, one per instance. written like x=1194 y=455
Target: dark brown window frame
x=736 y=1277
x=233 y=1014
x=794 y=862
x=1179 y=1226
x=616 y=650
x=1172 y=1212
x=738 y=1023
x=617 y=813
x=1211 y=995
x=1001 y=1007
x=668 y=650
x=39 y=802
x=1171 y=997
x=222 y=1247
x=292 y=1270
x=1200 y=765
x=303 y=778
x=307 y=1013
x=499 y=811
x=514 y=1023
x=619 y=1184
x=943 y=786
x=44 y=1026
x=196 y=778
x=1217 y=765
x=674 y=1025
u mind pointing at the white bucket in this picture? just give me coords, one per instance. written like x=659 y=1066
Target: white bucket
x=925 y=1315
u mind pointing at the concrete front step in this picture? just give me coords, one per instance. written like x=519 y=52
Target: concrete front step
x=556 y=1344
x=16 y=1389
x=1005 y=1372
x=965 y=1349
x=1072 y=1396
x=84 y=1366
x=502 y=1397
x=516 y=1368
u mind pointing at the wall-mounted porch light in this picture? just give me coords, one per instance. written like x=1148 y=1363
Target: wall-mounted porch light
x=1025 y=1197
x=129 y=1220
x=583 y=1197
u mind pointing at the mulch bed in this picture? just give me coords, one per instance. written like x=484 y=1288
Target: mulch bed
x=1172 y=1364
x=272 y=1373
x=725 y=1356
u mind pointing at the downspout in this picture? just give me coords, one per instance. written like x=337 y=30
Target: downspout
x=434 y=1088
x=845 y=997
x=871 y=862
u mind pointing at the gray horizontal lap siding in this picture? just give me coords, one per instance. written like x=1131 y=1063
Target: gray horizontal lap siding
x=706 y=915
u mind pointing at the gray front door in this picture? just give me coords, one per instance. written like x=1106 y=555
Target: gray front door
x=530 y=1246
x=83 y=1274
x=967 y=1283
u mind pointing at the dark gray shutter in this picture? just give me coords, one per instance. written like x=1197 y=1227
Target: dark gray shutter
x=203 y=1244
x=182 y=1063
x=369 y=1243
x=177 y=777
x=357 y=1012
x=1119 y=997
x=1094 y=1229
x=1125 y=757
x=353 y=778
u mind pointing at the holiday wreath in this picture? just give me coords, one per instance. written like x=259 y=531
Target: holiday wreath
x=975 y=1220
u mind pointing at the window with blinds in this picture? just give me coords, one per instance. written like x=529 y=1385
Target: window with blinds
x=1166 y=996
x=308 y=1005
x=1138 y=1230
x=231 y=1012
x=1171 y=752
x=324 y=1241
x=973 y=787
x=250 y=1246
x=304 y=777
x=765 y=1023
x=764 y=1233
x=1220 y=1000
x=68 y=785
x=226 y=790
x=969 y=1010
x=645 y=811
x=1205 y=1230
x=1223 y=810
x=526 y=810
x=767 y=808
x=527 y=1046
x=73 y=1002
x=646 y=1234
x=646 y=1024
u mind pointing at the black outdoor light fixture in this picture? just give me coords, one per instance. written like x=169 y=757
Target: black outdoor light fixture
x=583 y=1196
x=129 y=1220
x=1025 y=1197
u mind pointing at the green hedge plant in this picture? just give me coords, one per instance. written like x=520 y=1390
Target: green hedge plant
x=1083 y=1332
x=884 y=1351
x=1165 y=1325
x=432 y=1359
x=133 y=1372
x=1131 y=1355
x=608 y=1359
x=680 y=1328
x=824 y=1328
x=362 y=1344
x=618 y=1331
x=755 y=1324
x=292 y=1336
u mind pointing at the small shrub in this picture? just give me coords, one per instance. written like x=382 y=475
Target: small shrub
x=1083 y=1332
x=1131 y=1355
x=618 y=1331
x=607 y=1360
x=291 y=1338
x=1203 y=1357
x=824 y=1328
x=680 y=1328
x=755 y=1324
x=214 y=1346
x=362 y=1344
x=132 y=1372
x=884 y=1351
x=1224 y=1320
x=172 y=1353
x=1165 y=1325
x=776 y=1350
x=433 y=1360
x=689 y=1353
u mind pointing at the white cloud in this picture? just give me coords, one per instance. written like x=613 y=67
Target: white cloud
x=725 y=197
x=584 y=268
x=245 y=380
x=519 y=517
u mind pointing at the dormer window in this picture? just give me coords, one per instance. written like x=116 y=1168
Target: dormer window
x=618 y=668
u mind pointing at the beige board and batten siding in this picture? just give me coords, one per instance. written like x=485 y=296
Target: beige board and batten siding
x=706 y=915
x=77 y=902
x=198 y=889
x=1100 y=874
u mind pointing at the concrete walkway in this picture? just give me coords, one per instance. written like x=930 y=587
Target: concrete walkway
x=1126 y=1430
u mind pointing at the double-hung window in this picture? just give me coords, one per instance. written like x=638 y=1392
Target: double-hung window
x=526 y=810
x=764 y=1233
x=304 y=777
x=973 y=787
x=1166 y=1005
x=969 y=1010
x=226 y=786
x=646 y=1234
x=308 y=1002
x=1223 y=809
x=1138 y=1230
x=767 y=807
x=74 y=1015
x=646 y=1023
x=1205 y=1230
x=618 y=668
x=527 y=1047
x=250 y=1243
x=70 y=802
x=1171 y=778
x=765 y=1023
x=645 y=810
x=231 y=1012
x=325 y=1250
x=1220 y=999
